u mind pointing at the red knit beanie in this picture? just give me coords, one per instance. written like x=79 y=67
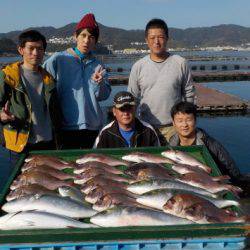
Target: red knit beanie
x=88 y=21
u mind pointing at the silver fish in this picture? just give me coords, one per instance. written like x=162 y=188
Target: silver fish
x=50 y=203
x=101 y=158
x=135 y=216
x=145 y=157
x=39 y=220
x=157 y=198
x=72 y=192
x=185 y=158
x=142 y=187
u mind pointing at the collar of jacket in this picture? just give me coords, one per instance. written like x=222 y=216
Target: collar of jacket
x=88 y=59
x=139 y=129
x=200 y=135
x=12 y=75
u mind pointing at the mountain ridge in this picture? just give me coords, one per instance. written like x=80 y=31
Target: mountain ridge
x=118 y=38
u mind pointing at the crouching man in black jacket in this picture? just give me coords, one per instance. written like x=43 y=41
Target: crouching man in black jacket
x=126 y=130
x=184 y=121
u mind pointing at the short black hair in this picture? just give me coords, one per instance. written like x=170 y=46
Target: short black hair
x=93 y=32
x=184 y=107
x=156 y=23
x=31 y=36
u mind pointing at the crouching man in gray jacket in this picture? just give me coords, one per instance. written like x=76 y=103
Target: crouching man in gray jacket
x=187 y=134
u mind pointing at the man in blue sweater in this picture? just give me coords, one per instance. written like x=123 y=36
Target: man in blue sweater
x=81 y=82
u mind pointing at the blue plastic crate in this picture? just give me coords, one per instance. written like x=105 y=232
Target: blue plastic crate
x=187 y=244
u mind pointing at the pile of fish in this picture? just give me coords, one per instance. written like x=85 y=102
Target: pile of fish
x=141 y=189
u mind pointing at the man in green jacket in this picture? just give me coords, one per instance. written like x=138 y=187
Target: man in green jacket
x=29 y=114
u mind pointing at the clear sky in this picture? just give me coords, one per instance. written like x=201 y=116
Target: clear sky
x=127 y=14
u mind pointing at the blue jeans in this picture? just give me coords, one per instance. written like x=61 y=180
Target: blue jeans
x=8 y=160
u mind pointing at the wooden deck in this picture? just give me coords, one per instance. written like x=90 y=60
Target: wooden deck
x=214 y=100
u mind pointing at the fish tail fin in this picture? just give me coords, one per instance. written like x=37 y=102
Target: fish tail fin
x=70 y=184
x=221 y=194
x=207 y=169
x=221 y=178
x=229 y=203
x=75 y=176
x=246 y=218
x=234 y=189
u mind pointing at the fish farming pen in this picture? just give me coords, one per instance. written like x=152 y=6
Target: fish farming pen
x=213 y=101
x=199 y=76
x=207 y=100
x=221 y=76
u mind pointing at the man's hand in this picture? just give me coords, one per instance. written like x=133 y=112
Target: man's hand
x=98 y=75
x=5 y=114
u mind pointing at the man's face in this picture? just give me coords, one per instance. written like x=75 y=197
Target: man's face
x=85 y=41
x=157 y=41
x=32 y=53
x=184 y=124
x=124 y=115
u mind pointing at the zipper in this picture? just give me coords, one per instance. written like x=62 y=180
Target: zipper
x=28 y=105
x=118 y=136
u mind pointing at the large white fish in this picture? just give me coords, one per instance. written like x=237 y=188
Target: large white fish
x=135 y=216
x=39 y=220
x=50 y=203
x=157 y=198
x=185 y=158
x=142 y=187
